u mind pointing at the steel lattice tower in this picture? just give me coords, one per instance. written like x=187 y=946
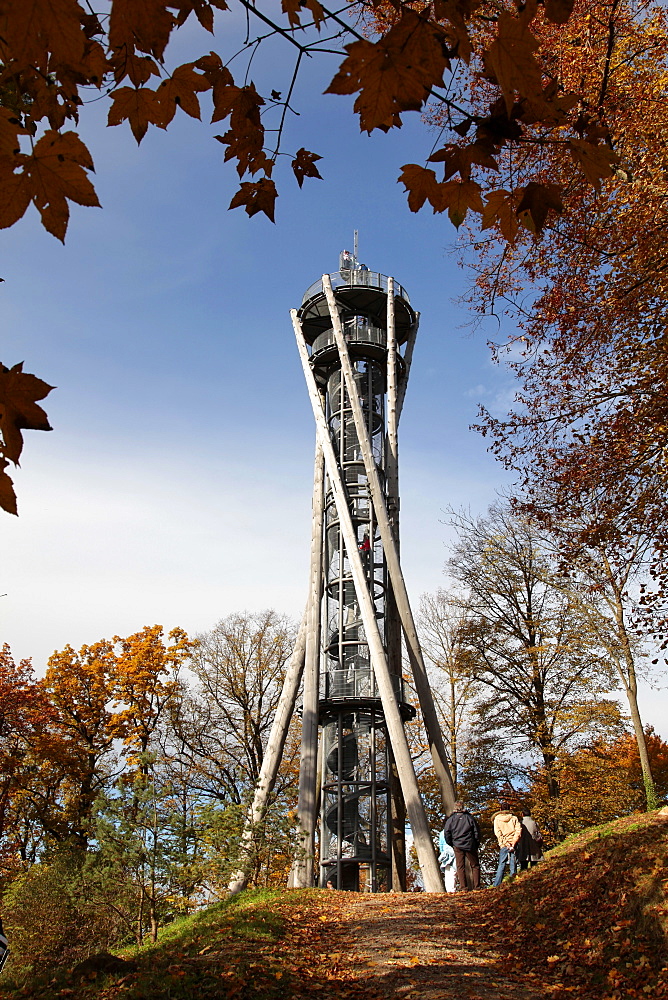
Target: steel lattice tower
x=356 y=774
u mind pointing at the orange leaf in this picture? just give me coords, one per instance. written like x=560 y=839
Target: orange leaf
x=19 y=409
x=459 y=159
x=500 y=210
x=511 y=59
x=458 y=197
x=420 y=183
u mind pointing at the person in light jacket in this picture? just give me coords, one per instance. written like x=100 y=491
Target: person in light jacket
x=508 y=831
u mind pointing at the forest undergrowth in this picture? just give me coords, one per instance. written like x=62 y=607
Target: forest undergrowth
x=591 y=921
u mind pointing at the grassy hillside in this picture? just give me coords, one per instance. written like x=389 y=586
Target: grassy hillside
x=589 y=922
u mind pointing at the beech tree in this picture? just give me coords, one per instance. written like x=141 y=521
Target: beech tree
x=590 y=296
x=442 y=622
x=222 y=721
x=600 y=781
x=607 y=567
x=541 y=666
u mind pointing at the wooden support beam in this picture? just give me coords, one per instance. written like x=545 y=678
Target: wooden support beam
x=425 y=697
x=271 y=760
x=392 y=455
x=408 y=360
x=416 y=815
x=306 y=805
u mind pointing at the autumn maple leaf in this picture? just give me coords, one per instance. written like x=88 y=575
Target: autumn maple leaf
x=537 y=201
x=33 y=32
x=394 y=74
x=303 y=165
x=256 y=196
x=7 y=494
x=52 y=174
x=511 y=59
x=19 y=392
x=140 y=106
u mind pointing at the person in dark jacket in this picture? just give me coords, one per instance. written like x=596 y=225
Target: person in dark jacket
x=462 y=832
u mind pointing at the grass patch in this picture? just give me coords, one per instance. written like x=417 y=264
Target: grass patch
x=234 y=949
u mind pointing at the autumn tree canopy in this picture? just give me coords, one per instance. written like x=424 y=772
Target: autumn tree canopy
x=588 y=431
x=395 y=57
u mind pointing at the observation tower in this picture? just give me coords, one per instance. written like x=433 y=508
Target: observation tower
x=355 y=333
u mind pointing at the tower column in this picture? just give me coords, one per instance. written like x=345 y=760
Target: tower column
x=432 y=726
x=306 y=806
x=414 y=806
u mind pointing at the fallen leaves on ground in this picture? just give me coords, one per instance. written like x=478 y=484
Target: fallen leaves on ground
x=589 y=922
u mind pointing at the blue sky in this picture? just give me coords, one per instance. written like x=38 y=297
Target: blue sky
x=175 y=487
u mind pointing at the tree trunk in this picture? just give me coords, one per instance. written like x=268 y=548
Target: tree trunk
x=630 y=682
x=139 y=933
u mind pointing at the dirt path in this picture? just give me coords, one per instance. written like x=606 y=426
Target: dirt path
x=410 y=945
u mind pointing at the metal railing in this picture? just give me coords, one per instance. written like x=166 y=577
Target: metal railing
x=356 y=279
x=355 y=683
x=357 y=335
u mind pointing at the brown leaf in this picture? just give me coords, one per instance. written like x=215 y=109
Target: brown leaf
x=537 y=201
x=18 y=408
x=292 y=9
x=181 y=90
x=559 y=11
x=10 y=130
x=33 y=31
x=303 y=165
x=7 y=494
x=203 y=11
x=245 y=138
x=500 y=210
x=394 y=74
x=14 y=192
x=141 y=24
x=225 y=93
x=141 y=106
x=420 y=183
x=458 y=197
x=55 y=173
x=459 y=159
x=139 y=69
x=511 y=59
x=455 y=13
x=256 y=196
x=593 y=160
